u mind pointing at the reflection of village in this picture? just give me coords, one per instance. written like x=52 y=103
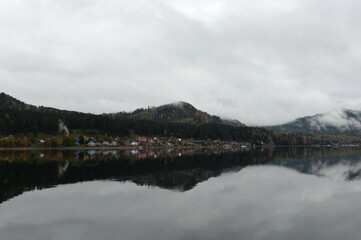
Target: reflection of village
x=139 y=152
x=143 y=152
x=165 y=142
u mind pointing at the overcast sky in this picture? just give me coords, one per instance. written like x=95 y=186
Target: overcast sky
x=261 y=62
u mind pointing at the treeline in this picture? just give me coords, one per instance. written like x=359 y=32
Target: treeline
x=11 y=141
x=46 y=120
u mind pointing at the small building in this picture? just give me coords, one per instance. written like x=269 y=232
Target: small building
x=142 y=139
x=91 y=144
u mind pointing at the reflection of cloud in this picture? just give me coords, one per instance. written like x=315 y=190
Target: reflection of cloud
x=344 y=170
x=62 y=167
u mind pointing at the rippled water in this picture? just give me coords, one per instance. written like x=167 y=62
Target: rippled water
x=283 y=193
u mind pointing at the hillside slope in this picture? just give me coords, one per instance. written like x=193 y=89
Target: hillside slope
x=8 y=101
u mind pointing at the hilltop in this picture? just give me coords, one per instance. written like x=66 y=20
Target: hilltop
x=178 y=112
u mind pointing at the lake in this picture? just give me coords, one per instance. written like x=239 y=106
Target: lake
x=280 y=193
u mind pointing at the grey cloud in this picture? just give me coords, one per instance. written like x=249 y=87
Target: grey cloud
x=271 y=61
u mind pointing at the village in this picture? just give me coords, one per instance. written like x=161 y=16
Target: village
x=139 y=142
x=162 y=142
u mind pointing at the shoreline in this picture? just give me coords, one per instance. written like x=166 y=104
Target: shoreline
x=106 y=148
x=159 y=147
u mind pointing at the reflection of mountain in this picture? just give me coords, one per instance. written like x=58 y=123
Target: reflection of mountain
x=176 y=173
x=345 y=168
x=25 y=171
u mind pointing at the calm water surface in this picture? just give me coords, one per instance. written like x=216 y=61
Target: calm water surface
x=282 y=193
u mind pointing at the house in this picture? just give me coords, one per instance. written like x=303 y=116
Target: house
x=142 y=139
x=91 y=144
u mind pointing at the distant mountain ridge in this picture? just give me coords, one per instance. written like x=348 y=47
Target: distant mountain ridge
x=345 y=121
x=179 y=112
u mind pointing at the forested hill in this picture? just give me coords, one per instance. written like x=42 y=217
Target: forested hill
x=17 y=118
x=345 y=122
x=180 y=112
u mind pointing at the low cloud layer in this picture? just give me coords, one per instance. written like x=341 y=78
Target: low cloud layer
x=340 y=119
x=262 y=63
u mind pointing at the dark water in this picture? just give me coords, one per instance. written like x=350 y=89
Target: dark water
x=282 y=193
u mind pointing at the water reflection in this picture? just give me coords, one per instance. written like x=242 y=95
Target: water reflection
x=339 y=164
x=281 y=193
x=262 y=202
x=174 y=169
x=177 y=170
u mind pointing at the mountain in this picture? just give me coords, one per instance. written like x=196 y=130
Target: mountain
x=345 y=121
x=179 y=112
x=181 y=120
x=8 y=101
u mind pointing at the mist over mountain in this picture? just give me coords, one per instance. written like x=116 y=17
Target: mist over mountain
x=345 y=121
x=179 y=112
